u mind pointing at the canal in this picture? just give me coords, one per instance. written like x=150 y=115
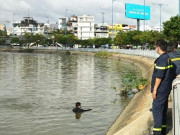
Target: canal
x=39 y=91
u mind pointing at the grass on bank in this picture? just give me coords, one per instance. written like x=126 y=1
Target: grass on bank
x=26 y=50
x=129 y=82
x=103 y=54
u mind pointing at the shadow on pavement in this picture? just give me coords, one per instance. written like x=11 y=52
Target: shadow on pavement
x=169 y=121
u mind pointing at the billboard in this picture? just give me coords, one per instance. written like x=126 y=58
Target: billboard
x=136 y=11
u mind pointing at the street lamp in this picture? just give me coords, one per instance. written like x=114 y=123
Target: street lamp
x=113 y=18
x=160 y=5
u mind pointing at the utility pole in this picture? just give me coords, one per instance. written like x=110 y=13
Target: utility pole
x=48 y=19
x=144 y=14
x=160 y=6
x=28 y=10
x=179 y=7
x=112 y=20
x=13 y=23
x=66 y=12
x=66 y=22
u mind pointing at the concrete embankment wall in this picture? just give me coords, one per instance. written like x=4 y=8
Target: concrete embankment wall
x=136 y=119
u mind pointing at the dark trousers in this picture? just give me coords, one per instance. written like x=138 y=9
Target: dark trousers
x=160 y=106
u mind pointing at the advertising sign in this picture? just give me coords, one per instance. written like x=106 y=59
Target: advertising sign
x=137 y=11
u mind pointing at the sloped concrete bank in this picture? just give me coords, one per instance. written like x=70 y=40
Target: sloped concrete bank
x=136 y=119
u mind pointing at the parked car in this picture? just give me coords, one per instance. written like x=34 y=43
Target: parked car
x=105 y=46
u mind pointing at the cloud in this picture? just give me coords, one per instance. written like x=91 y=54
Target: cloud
x=41 y=10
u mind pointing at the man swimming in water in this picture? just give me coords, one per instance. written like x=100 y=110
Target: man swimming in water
x=78 y=108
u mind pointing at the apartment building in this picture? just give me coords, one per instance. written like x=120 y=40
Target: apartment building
x=72 y=25
x=85 y=27
x=101 y=30
x=113 y=31
x=27 y=25
x=81 y=26
x=120 y=27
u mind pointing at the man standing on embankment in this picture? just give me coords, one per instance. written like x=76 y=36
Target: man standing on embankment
x=160 y=87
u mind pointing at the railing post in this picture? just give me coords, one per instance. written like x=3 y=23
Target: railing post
x=176 y=105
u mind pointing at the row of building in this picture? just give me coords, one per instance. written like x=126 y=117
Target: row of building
x=82 y=27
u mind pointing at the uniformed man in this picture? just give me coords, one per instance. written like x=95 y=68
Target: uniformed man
x=174 y=56
x=160 y=87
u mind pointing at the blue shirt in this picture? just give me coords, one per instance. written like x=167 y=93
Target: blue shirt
x=175 y=58
x=163 y=69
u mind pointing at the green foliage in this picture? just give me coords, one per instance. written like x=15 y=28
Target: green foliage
x=2 y=41
x=172 y=28
x=68 y=39
x=3 y=33
x=103 y=54
x=37 y=39
x=15 y=40
x=129 y=82
x=102 y=41
x=137 y=38
x=26 y=50
x=85 y=43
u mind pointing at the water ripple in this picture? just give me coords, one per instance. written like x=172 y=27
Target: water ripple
x=38 y=92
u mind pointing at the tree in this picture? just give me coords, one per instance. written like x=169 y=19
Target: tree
x=172 y=28
x=15 y=40
x=121 y=39
x=3 y=33
x=102 y=41
x=28 y=38
x=2 y=41
x=134 y=37
x=39 y=39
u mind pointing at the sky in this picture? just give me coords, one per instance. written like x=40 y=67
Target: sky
x=44 y=10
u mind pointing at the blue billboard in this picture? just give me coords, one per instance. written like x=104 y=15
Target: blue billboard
x=137 y=11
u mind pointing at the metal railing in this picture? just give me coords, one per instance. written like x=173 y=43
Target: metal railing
x=176 y=106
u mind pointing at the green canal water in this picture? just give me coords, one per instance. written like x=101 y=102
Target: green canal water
x=38 y=93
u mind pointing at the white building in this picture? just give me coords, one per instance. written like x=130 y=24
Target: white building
x=101 y=30
x=27 y=25
x=81 y=26
x=150 y=28
x=62 y=23
x=85 y=28
x=2 y=27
